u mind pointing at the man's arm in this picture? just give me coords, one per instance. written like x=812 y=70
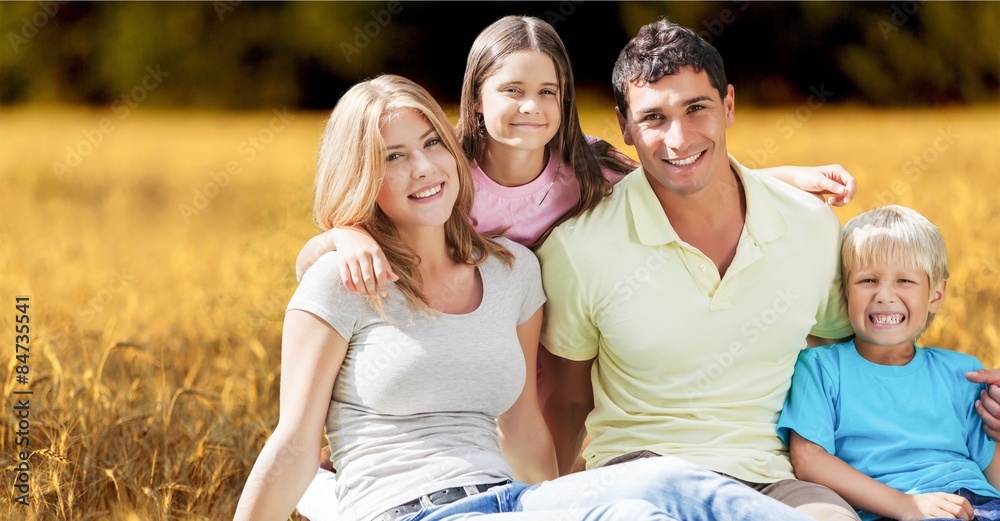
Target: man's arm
x=567 y=397
x=566 y=391
x=813 y=463
x=524 y=439
x=992 y=471
x=988 y=404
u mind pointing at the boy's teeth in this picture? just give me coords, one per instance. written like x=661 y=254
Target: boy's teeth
x=427 y=193
x=887 y=319
x=684 y=162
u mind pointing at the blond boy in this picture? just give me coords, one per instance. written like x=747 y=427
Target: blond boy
x=884 y=423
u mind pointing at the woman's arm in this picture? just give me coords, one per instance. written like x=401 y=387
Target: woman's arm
x=832 y=180
x=363 y=267
x=524 y=438
x=813 y=463
x=311 y=355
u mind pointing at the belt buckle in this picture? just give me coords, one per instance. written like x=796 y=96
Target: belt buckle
x=438 y=498
x=447 y=495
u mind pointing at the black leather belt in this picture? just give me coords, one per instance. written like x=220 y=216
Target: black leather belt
x=441 y=497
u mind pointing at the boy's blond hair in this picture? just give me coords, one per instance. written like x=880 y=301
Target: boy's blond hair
x=894 y=233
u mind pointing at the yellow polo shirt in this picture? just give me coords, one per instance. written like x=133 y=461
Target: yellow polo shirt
x=688 y=364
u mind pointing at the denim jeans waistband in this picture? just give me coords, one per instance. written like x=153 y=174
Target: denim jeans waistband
x=441 y=497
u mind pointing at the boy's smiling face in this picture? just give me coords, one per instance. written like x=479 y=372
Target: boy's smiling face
x=889 y=305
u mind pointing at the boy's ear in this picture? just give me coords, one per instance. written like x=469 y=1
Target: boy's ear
x=937 y=297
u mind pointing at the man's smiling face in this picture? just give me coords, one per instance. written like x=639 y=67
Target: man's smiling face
x=678 y=128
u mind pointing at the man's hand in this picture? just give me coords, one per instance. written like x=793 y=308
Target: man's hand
x=988 y=404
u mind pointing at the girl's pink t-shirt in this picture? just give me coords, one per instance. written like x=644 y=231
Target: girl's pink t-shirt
x=528 y=210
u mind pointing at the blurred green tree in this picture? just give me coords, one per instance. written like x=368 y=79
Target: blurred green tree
x=231 y=54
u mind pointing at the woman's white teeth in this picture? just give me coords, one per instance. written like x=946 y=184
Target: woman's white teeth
x=427 y=193
x=887 y=319
x=685 y=162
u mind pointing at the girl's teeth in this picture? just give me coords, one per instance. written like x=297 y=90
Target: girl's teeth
x=427 y=193
x=685 y=162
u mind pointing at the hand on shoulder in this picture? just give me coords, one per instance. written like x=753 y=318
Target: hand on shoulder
x=988 y=404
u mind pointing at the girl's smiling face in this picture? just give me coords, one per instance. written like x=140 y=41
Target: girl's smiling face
x=521 y=102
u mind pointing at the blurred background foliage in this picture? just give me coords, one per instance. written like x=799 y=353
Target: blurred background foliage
x=248 y=55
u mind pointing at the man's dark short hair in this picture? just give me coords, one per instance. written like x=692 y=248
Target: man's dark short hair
x=660 y=49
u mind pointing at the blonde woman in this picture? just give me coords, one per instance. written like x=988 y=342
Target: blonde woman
x=423 y=393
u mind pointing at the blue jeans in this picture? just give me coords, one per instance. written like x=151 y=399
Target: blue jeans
x=664 y=488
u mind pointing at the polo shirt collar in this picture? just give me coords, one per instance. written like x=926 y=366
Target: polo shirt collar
x=651 y=224
x=764 y=222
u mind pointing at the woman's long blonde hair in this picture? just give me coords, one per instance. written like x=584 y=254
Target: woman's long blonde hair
x=351 y=169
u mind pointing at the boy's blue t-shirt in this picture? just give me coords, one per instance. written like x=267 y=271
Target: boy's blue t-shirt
x=912 y=427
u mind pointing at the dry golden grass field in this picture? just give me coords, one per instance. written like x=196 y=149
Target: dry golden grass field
x=158 y=258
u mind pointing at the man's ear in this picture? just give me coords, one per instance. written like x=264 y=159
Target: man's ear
x=626 y=135
x=937 y=297
x=730 y=104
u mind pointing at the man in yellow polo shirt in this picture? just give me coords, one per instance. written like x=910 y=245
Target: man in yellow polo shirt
x=684 y=299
